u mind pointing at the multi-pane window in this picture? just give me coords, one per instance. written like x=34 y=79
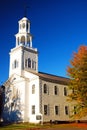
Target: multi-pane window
x=33 y=109
x=56 y=110
x=45 y=88
x=65 y=91
x=66 y=110
x=33 y=89
x=29 y=63
x=55 y=90
x=45 y=109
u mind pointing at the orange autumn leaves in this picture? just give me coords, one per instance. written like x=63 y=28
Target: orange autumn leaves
x=77 y=72
x=78 y=60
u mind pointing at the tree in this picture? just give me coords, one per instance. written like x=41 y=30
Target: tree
x=77 y=72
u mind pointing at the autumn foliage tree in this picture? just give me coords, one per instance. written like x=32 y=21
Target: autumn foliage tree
x=77 y=72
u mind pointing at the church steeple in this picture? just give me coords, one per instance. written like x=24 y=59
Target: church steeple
x=23 y=36
x=23 y=56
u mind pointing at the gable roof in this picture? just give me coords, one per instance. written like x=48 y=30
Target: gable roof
x=53 y=78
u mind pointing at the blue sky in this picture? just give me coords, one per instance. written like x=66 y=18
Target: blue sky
x=58 y=27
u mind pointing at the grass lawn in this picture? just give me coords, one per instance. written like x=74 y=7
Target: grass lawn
x=27 y=126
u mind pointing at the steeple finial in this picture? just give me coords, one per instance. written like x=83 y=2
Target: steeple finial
x=25 y=10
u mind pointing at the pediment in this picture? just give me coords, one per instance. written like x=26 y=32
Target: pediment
x=13 y=79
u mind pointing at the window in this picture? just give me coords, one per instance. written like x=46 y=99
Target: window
x=23 y=40
x=15 y=64
x=33 y=65
x=65 y=91
x=45 y=88
x=55 y=90
x=45 y=109
x=66 y=110
x=56 y=110
x=29 y=62
x=33 y=89
x=33 y=109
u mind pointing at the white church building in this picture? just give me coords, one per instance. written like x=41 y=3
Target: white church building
x=30 y=95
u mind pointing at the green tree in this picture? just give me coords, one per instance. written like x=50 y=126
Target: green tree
x=77 y=71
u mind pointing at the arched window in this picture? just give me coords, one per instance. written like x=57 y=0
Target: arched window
x=65 y=91
x=33 y=89
x=29 y=63
x=23 y=40
x=45 y=88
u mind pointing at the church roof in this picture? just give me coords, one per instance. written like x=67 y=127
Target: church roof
x=24 y=19
x=53 y=78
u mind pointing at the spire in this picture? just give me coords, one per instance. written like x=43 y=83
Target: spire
x=25 y=11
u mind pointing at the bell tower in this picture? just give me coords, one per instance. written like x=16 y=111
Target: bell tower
x=23 y=36
x=23 y=56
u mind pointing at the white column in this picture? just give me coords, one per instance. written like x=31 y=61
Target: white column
x=26 y=40
x=19 y=40
x=30 y=41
